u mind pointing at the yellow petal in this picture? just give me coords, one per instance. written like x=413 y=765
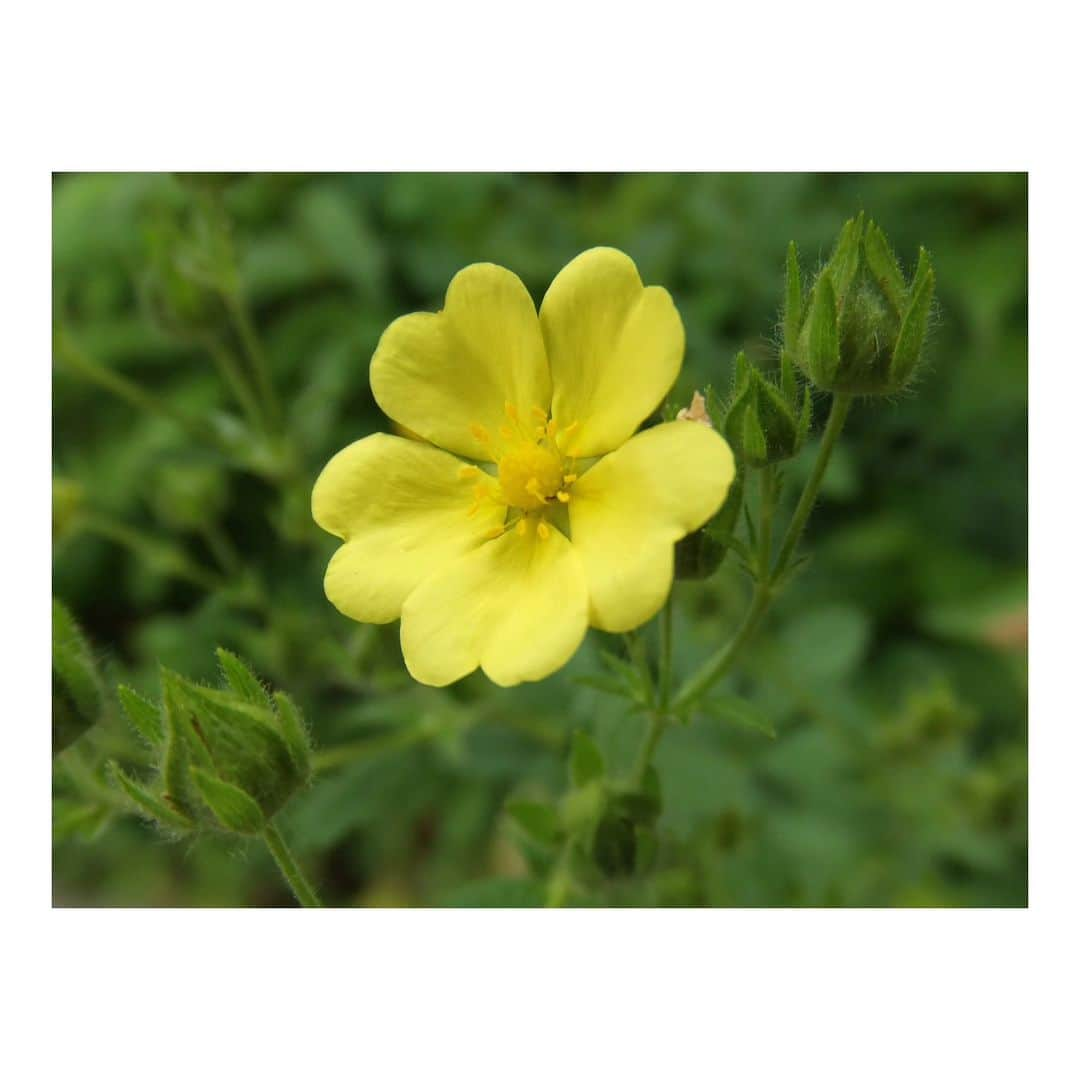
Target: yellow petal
x=516 y=607
x=628 y=510
x=403 y=509
x=615 y=348
x=447 y=375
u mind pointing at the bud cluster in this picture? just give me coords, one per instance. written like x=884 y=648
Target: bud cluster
x=765 y=422
x=228 y=759
x=862 y=326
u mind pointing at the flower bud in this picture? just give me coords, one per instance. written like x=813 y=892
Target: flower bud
x=228 y=759
x=862 y=327
x=77 y=697
x=765 y=422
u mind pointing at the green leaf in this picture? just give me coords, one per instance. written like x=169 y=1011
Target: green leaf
x=739 y=711
x=77 y=694
x=235 y=809
x=586 y=761
x=539 y=821
x=143 y=715
x=242 y=679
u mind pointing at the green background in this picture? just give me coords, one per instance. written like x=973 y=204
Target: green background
x=881 y=758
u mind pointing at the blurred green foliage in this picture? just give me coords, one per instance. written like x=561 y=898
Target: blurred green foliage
x=891 y=676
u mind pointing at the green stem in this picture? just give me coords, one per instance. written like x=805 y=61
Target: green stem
x=658 y=722
x=768 y=506
x=720 y=663
x=364 y=749
x=233 y=377
x=837 y=415
x=637 y=654
x=290 y=869
x=245 y=326
x=665 y=650
x=157 y=553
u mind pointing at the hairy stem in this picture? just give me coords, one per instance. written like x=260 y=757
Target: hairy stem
x=290 y=869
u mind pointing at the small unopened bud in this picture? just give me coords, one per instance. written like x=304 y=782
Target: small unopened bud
x=862 y=327
x=696 y=411
x=228 y=759
x=766 y=423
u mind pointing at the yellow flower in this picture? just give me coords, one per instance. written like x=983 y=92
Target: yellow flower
x=563 y=517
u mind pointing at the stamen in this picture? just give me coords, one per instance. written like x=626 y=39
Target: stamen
x=511 y=411
x=552 y=427
x=569 y=478
x=562 y=496
x=539 y=414
x=494 y=534
x=534 y=489
x=522 y=527
x=506 y=433
x=467 y=472
x=480 y=433
x=542 y=530
x=540 y=431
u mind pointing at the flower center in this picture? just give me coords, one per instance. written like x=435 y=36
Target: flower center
x=533 y=476
x=530 y=475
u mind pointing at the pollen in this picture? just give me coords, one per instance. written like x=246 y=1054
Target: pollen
x=530 y=475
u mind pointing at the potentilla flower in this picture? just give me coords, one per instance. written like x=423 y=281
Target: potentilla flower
x=529 y=509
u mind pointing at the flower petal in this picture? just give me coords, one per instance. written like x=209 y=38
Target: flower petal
x=403 y=509
x=516 y=607
x=615 y=348
x=628 y=510
x=441 y=375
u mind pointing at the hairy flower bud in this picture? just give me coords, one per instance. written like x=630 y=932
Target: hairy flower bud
x=228 y=759
x=766 y=423
x=862 y=327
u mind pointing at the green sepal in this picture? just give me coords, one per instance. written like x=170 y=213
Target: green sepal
x=234 y=809
x=586 y=761
x=843 y=265
x=793 y=312
x=538 y=821
x=884 y=267
x=294 y=732
x=143 y=715
x=242 y=679
x=77 y=694
x=149 y=804
x=909 y=342
x=822 y=333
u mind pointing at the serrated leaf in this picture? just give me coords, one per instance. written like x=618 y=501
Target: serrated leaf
x=586 y=761
x=143 y=715
x=235 y=809
x=242 y=679
x=537 y=820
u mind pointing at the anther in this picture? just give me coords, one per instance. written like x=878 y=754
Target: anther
x=569 y=478
x=506 y=433
x=522 y=528
x=479 y=433
x=511 y=410
x=539 y=414
x=552 y=427
x=542 y=530
x=562 y=496
x=467 y=472
x=494 y=534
